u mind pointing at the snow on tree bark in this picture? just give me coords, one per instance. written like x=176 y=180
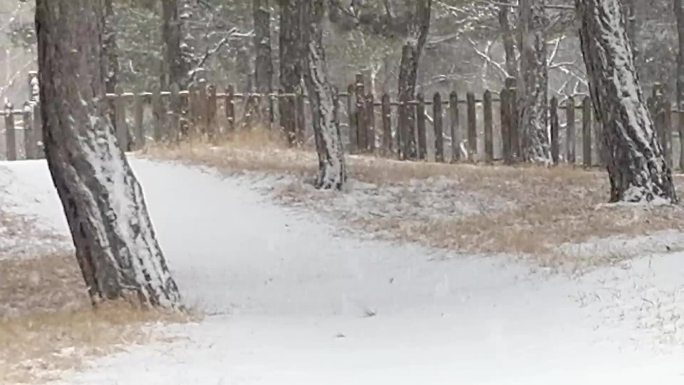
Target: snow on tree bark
x=332 y=169
x=115 y=243
x=290 y=54
x=408 y=68
x=178 y=50
x=636 y=165
x=533 y=82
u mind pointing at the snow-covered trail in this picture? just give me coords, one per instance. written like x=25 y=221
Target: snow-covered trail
x=292 y=302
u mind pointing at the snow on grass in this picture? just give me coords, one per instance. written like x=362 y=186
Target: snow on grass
x=290 y=300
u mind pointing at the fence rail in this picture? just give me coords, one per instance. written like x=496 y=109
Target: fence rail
x=455 y=127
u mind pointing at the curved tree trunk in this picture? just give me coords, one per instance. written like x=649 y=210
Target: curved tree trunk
x=636 y=165
x=533 y=83
x=408 y=72
x=290 y=54
x=332 y=170
x=115 y=243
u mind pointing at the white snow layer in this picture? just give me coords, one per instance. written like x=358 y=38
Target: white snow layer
x=291 y=301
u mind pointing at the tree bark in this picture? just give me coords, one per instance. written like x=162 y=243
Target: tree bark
x=177 y=53
x=332 y=170
x=636 y=166
x=115 y=243
x=408 y=70
x=679 y=12
x=110 y=47
x=263 y=66
x=533 y=82
x=508 y=39
x=290 y=53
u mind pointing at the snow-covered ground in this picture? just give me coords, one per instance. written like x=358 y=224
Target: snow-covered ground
x=292 y=300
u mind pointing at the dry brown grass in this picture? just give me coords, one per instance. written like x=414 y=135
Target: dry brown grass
x=47 y=324
x=548 y=206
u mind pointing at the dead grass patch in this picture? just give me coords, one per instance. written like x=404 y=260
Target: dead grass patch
x=546 y=207
x=47 y=324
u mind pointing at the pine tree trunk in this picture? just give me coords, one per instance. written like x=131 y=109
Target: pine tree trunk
x=408 y=71
x=636 y=165
x=679 y=12
x=332 y=170
x=263 y=66
x=290 y=54
x=508 y=39
x=533 y=82
x=176 y=63
x=110 y=48
x=115 y=243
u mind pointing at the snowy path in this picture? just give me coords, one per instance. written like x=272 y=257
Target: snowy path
x=289 y=302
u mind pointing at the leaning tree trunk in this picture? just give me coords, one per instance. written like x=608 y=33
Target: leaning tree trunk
x=115 y=243
x=533 y=82
x=636 y=165
x=290 y=54
x=508 y=39
x=408 y=72
x=679 y=12
x=332 y=172
x=263 y=65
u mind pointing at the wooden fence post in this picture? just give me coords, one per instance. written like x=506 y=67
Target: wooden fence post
x=505 y=126
x=488 y=127
x=38 y=131
x=511 y=85
x=454 y=127
x=403 y=129
x=202 y=108
x=229 y=107
x=138 y=128
x=300 y=118
x=157 y=115
x=472 y=127
x=420 y=124
x=438 y=127
x=361 y=126
x=370 y=122
x=29 y=137
x=667 y=131
x=571 y=138
x=120 y=119
x=680 y=128
x=211 y=113
x=555 y=128
x=351 y=117
x=174 y=114
x=586 y=132
x=10 y=133
x=386 y=126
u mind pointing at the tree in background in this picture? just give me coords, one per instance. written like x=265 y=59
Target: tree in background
x=331 y=165
x=116 y=246
x=414 y=42
x=290 y=54
x=679 y=12
x=636 y=166
x=263 y=63
x=533 y=82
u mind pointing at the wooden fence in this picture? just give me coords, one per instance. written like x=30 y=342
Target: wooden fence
x=440 y=128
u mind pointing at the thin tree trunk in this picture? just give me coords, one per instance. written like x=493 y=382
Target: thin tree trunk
x=110 y=48
x=332 y=170
x=508 y=39
x=408 y=69
x=636 y=165
x=263 y=66
x=290 y=53
x=177 y=53
x=533 y=82
x=115 y=243
x=679 y=12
